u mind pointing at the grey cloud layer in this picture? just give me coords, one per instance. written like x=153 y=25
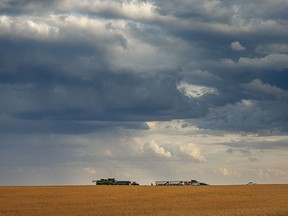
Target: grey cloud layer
x=82 y=82
x=124 y=61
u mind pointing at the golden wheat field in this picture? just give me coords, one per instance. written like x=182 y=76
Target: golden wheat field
x=264 y=200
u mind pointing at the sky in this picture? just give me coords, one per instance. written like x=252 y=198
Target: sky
x=143 y=91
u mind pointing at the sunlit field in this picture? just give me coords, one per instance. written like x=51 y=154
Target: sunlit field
x=270 y=200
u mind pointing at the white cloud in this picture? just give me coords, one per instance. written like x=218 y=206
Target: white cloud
x=192 y=151
x=71 y=27
x=27 y=28
x=138 y=10
x=195 y=91
x=135 y=10
x=230 y=172
x=237 y=46
x=247 y=103
x=156 y=149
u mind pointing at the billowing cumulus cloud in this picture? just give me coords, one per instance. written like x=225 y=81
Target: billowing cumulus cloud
x=193 y=152
x=149 y=89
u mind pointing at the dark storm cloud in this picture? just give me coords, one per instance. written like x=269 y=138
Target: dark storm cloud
x=214 y=35
x=14 y=7
x=264 y=117
x=11 y=125
x=104 y=96
x=59 y=62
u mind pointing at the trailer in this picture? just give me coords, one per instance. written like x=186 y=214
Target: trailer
x=176 y=183
x=169 y=183
x=122 y=182
x=161 y=183
x=179 y=183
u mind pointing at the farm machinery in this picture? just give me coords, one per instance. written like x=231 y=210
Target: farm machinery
x=179 y=183
x=112 y=181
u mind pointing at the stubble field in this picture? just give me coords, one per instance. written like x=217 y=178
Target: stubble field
x=264 y=200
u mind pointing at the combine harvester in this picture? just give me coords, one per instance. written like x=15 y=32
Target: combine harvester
x=112 y=181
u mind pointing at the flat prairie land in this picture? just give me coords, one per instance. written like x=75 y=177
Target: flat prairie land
x=264 y=200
